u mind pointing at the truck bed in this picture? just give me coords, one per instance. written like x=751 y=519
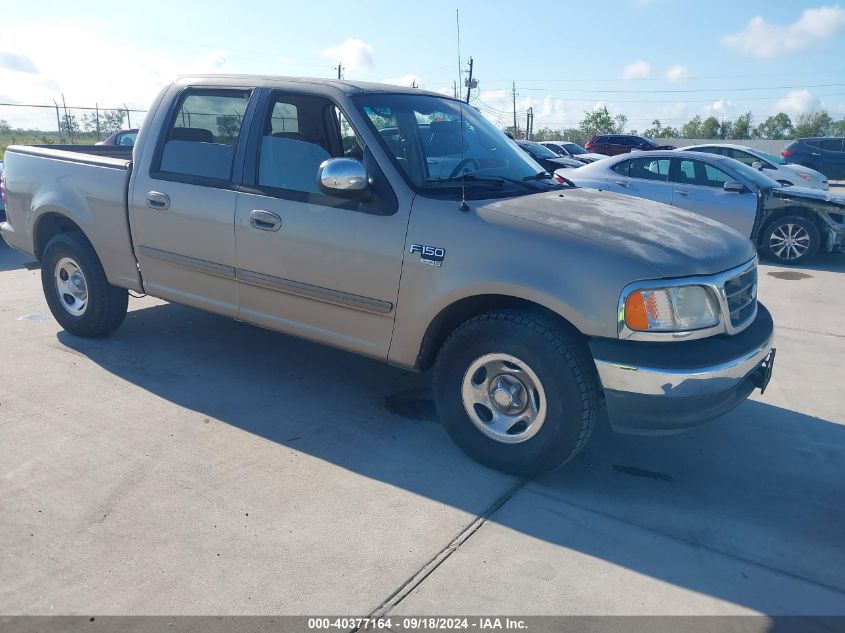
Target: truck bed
x=112 y=151
x=88 y=185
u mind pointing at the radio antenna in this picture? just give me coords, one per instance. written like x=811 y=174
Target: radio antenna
x=463 y=206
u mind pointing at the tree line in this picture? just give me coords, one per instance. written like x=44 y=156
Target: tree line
x=108 y=122
x=777 y=126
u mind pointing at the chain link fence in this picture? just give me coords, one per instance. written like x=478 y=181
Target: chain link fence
x=33 y=124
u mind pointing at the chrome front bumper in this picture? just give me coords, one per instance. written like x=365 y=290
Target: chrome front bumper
x=665 y=387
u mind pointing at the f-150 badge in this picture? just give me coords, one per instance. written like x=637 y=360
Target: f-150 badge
x=431 y=255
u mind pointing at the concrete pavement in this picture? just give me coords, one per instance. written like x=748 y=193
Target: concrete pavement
x=193 y=465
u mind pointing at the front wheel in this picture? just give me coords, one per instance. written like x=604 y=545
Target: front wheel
x=516 y=391
x=77 y=291
x=791 y=239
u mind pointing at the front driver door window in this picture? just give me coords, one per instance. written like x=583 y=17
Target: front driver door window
x=699 y=187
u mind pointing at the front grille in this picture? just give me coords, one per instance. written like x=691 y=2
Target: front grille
x=741 y=293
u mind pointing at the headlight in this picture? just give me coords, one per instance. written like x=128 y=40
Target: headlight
x=806 y=177
x=673 y=309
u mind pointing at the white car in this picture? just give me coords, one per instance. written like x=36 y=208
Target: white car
x=567 y=149
x=774 y=167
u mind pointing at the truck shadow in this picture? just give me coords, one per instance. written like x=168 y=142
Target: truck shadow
x=10 y=259
x=763 y=484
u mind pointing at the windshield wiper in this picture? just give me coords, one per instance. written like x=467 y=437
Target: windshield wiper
x=542 y=175
x=470 y=178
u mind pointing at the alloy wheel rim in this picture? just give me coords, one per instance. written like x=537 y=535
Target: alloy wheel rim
x=71 y=286
x=504 y=398
x=789 y=241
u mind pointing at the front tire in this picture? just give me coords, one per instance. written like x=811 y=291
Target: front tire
x=791 y=240
x=516 y=391
x=77 y=291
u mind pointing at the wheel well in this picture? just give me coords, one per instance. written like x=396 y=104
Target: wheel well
x=799 y=211
x=453 y=315
x=49 y=226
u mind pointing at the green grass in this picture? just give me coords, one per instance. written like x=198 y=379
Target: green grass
x=34 y=138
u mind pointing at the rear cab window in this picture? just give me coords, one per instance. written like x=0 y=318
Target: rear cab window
x=199 y=143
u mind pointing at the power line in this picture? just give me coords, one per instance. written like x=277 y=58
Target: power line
x=628 y=91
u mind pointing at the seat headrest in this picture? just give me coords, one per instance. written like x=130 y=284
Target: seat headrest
x=195 y=134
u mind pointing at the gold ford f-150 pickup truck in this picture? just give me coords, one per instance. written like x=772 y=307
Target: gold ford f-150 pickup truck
x=402 y=225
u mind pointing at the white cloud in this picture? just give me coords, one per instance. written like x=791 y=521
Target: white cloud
x=212 y=63
x=638 y=70
x=763 y=39
x=720 y=108
x=84 y=74
x=798 y=101
x=18 y=63
x=677 y=74
x=352 y=53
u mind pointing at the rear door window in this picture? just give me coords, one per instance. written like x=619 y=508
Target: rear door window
x=201 y=138
x=621 y=167
x=650 y=169
x=831 y=145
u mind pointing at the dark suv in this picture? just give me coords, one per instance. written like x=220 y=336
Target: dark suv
x=613 y=144
x=826 y=155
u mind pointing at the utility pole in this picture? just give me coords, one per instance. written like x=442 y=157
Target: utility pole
x=339 y=71
x=97 y=115
x=58 y=119
x=128 y=116
x=469 y=80
x=515 y=127
x=528 y=116
x=455 y=89
x=67 y=119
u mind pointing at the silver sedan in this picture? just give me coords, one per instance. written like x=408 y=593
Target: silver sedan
x=788 y=223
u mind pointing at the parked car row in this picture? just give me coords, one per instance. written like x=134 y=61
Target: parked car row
x=572 y=150
x=791 y=224
x=546 y=158
x=614 y=144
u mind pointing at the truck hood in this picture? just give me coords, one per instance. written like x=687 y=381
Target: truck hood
x=676 y=243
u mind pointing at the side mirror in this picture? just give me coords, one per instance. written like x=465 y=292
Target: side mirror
x=735 y=187
x=344 y=178
x=757 y=165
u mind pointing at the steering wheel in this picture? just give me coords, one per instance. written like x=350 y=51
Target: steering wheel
x=466 y=161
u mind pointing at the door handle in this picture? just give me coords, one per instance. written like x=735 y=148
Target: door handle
x=158 y=201
x=815 y=153
x=685 y=194
x=265 y=220
x=622 y=183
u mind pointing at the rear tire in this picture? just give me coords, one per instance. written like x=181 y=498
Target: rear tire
x=516 y=391
x=77 y=291
x=791 y=240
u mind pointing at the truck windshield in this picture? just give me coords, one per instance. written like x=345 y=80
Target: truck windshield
x=442 y=144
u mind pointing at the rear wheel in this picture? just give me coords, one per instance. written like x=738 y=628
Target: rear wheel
x=516 y=391
x=791 y=239
x=77 y=291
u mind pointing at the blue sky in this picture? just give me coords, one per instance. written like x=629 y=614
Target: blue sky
x=645 y=58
